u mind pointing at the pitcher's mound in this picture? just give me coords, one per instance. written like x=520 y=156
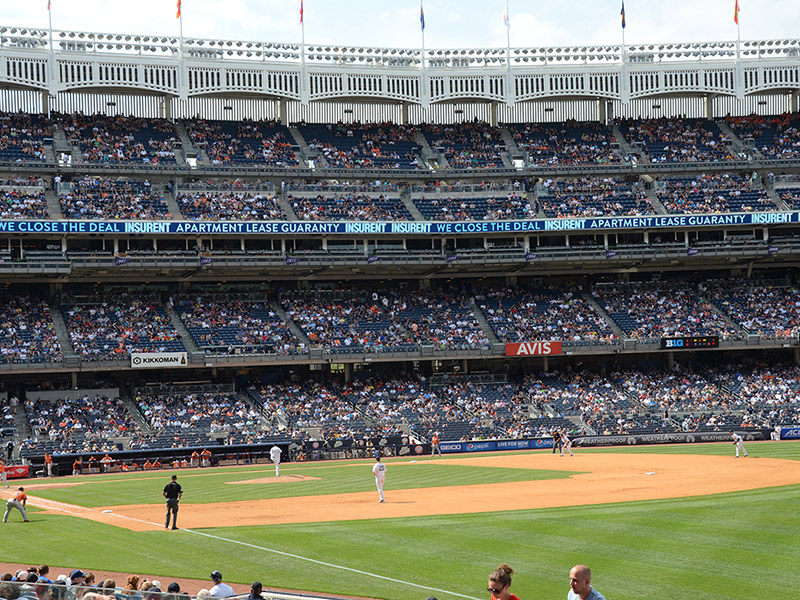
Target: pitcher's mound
x=281 y=479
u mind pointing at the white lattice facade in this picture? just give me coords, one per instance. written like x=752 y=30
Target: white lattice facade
x=140 y=64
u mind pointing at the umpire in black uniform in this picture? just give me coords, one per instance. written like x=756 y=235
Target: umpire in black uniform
x=172 y=492
x=556 y=440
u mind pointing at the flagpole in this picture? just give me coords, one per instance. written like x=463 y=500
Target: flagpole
x=509 y=91
x=424 y=91
x=51 y=57
x=739 y=80
x=303 y=87
x=182 y=85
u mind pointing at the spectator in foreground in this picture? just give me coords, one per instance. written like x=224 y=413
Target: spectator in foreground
x=220 y=590
x=580 y=578
x=500 y=582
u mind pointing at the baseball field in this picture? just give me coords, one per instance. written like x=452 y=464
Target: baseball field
x=685 y=521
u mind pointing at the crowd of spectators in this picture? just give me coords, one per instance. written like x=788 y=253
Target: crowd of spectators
x=470 y=208
x=647 y=311
x=348 y=321
x=22 y=136
x=353 y=207
x=526 y=315
x=211 y=412
x=568 y=143
x=230 y=206
x=364 y=146
x=228 y=323
x=680 y=389
x=111 y=327
x=771 y=310
x=676 y=139
x=777 y=137
x=474 y=145
x=21 y=205
x=80 y=421
x=713 y=192
x=27 y=333
x=244 y=142
x=593 y=197
x=117 y=139
x=99 y=198
x=439 y=318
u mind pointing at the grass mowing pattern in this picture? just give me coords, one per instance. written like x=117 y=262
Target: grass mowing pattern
x=722 y=547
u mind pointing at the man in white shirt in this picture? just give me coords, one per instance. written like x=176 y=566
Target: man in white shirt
x=220 y=590
x=580 y=577
x=379 y=471
x=275 y=456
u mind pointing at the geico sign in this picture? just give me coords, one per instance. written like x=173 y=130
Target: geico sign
x=533 y=348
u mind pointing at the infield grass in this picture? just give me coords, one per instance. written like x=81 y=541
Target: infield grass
x=721 y=547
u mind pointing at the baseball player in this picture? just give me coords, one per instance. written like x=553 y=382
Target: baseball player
x=435 y=444
x=3 y=475
x=18 y=500
x=379 y=471
x=566 y=444
x=275 y=456
x=739 y=443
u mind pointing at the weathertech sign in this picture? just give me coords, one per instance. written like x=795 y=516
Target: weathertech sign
x=533 y=348
x=154 y=360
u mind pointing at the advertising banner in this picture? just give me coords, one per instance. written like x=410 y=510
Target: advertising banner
x=669 y=438
x=17 y=471
x=533 y=348
x=158 y=360
x=790 y=433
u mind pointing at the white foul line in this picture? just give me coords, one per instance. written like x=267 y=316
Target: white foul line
x=262 y=548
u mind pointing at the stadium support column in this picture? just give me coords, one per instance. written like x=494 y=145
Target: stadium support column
x=281 y=111
x=794 y=101
x=165 y=108
x=670 y=361
x=797 y=356
x=493 y=108
x=404 y=113
x=45 y=102
x=602 y=111
x=708 y=107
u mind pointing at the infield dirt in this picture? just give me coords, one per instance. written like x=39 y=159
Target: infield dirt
x=597 y=479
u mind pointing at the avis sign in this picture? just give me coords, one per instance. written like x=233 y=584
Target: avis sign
x=533 y=348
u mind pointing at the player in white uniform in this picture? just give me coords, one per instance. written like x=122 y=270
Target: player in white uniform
x=739 y=442
x=566 y=444
x=275 y=456
x=379 y=470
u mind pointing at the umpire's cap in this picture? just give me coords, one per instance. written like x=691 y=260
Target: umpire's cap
x=216 y=575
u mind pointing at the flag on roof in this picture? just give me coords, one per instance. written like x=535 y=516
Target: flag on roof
x=622 y=14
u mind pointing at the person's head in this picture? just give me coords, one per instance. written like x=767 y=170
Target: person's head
x=580 y=578
x=44 y=570
x=174 y=587
x=21 y=489
x=174 y=478
x=216 y=576
x=500 y=581
x=256 y=587
x=147 y=586
x=109 y=585
x=378 y=457
x=204 y=593
x=32 y=577
x=77 y=577
x=132 y=582
x=90 y=579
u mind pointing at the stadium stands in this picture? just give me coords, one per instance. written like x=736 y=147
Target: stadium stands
x=363 y=146
x=22 y=137
x=678 y=140
x=713 y=192
x=593 y=197
x=249 y=143
x=569 y=143
x=98 y=198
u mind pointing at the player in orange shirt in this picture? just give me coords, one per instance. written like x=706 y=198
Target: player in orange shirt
x=3 y=475
x=48 y=463
x=18 y=501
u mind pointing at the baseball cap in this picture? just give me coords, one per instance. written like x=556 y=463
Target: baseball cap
x=216 y=575
x=77 y=573
x=173 y=588
x=256 y=586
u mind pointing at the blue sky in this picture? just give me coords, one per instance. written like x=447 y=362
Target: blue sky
x=448 y=23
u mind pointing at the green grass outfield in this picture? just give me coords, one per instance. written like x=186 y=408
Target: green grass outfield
x=727 y=546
